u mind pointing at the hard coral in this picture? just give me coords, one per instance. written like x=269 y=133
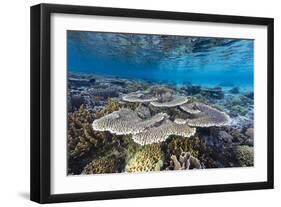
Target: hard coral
x=148 y=158
x=125 y=121
x=185 y=162
x=207 y=117
x=101 y=165
x=162 y=132
x=173 y=102
x=80 y=136
x=244 y=155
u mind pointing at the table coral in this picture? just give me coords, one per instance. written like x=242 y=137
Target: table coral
x=125 y=121
x=175 y=101
x=207 y=117
x=138 y=96
x=160 y=133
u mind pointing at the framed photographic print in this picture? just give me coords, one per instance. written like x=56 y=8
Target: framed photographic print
x=132 y=103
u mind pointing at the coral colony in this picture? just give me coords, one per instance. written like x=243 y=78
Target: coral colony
x=119 y=124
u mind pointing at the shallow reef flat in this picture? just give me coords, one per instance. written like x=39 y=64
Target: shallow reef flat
x=118 y=125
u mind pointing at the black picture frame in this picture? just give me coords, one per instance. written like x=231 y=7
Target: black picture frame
x=41 y=96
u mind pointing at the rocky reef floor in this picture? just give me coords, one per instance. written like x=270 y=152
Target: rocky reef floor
x=206 y=127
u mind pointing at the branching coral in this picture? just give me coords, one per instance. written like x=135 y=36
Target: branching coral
x=80 y=134
x=148 y=158
x=178 y=144
x=185 y=162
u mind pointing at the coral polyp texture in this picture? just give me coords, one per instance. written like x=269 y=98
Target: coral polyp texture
x=160 y=133
x=173 y=102
x=102 y=165
x=190 y=108
x=125 y=121
x=207 y=117
x=80 y=135
x=138 y=97
x=144 y=102
x=245 y=155
x=148 y=158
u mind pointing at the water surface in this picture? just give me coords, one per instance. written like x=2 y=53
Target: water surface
x=163 y=58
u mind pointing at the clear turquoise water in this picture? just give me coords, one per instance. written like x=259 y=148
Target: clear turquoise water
x=161 y=58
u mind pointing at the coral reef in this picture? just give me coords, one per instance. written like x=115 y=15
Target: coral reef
x=125 y=121
x=117 y=125
x=101 y=165
x=250 y=95
x=191 y=90
x=80 y=134
x=174 y=101
x=162 y=132
x=190 y=108
x=234 y=90
x=207 y=117
x=138 y=96
x=213 y=93
x=185 y=162
x=148 y=158
x=244 y=155
x=78 y=81
x=143 y=112
x=114 y=105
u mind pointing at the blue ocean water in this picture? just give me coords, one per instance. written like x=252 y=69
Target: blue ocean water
x=163 y=58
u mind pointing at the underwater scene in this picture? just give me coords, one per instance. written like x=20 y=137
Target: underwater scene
x=145 y=102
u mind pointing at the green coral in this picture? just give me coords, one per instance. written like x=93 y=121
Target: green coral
x=101 y=165
x=244 y=155
x=80 y=135
x=148 y=158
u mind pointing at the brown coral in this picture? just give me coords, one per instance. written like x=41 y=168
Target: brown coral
x=100 y=166
x=244 y=155
x=80 y=136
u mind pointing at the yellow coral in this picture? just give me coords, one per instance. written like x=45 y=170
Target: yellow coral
x=148 y=158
